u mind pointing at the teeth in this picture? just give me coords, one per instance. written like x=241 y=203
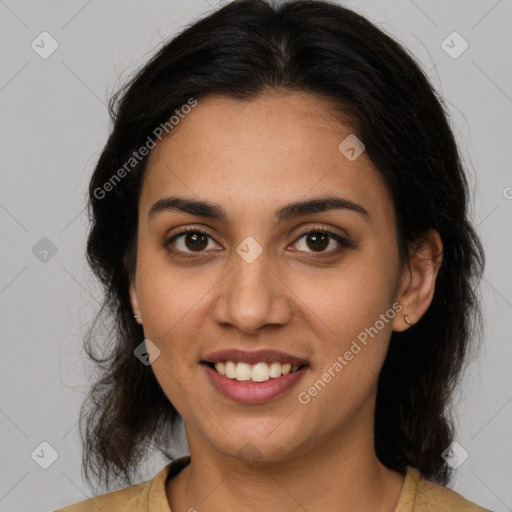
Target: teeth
x=259 y=372
x=275 y=370
x=230 y=369
x=220 y=367
x=243 y=371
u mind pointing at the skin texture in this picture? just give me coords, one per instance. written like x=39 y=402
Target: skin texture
x=252 y=158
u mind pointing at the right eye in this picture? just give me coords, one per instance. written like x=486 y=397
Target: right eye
x=189 y=241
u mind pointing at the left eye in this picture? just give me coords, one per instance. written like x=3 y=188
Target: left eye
x=320 y=240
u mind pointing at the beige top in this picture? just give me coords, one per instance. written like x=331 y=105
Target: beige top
x=418 y=495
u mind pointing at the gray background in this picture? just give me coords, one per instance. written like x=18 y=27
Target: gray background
x=54 y=125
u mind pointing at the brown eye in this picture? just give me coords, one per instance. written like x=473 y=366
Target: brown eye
x=189 y=241
x=196 y=241
x=317 y=241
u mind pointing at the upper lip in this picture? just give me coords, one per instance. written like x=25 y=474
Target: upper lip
x=253 y=357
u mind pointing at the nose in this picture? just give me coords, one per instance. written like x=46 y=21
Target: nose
x=252 y=296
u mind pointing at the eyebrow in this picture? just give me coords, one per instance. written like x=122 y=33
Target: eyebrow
x=288 y=211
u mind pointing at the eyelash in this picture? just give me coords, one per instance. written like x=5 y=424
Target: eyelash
x=345 y=244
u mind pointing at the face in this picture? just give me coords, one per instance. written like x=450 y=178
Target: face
x=299 y=300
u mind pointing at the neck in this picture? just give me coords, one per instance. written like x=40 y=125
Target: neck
x=343 y=474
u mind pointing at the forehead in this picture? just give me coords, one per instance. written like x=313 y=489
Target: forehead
x=260 y=154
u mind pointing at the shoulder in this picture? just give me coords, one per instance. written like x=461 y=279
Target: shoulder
x=123 y=499
x=422 y=495
x=137 y=498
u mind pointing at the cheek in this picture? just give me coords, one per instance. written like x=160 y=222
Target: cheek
x=349 y=298
x=174 y=320
x=346 y=311
x=172 y=300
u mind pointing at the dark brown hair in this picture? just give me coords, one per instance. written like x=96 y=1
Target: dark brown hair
x=242 y=50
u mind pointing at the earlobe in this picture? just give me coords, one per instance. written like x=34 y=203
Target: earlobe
x=134 y=301
x=419 y=280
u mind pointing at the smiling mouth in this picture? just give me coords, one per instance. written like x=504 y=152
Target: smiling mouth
x=258 y=372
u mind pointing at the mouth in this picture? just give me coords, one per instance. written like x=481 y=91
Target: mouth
x=253 y=377
x=262 y=371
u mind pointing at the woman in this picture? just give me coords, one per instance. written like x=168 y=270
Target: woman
x=280 y=222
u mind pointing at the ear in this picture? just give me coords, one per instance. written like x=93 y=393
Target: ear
x=134 y=299
x=418 y=279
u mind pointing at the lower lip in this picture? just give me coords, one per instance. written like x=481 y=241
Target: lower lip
x=250 y=392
